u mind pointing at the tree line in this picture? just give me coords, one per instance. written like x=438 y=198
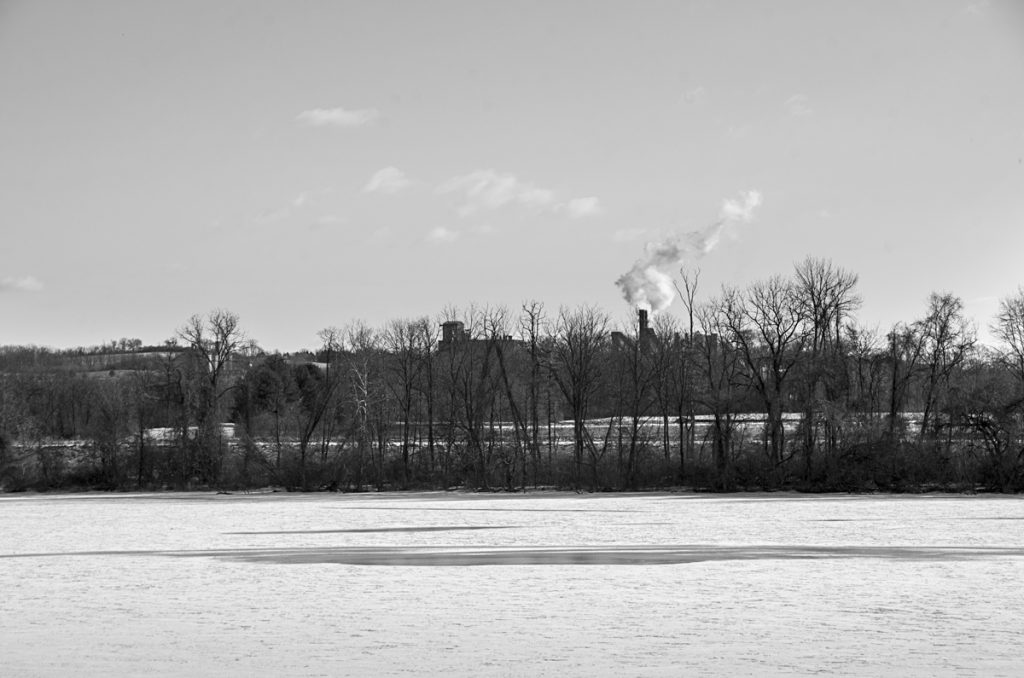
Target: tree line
x=775 y=385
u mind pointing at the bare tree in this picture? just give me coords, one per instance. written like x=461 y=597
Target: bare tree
x=947 y=338
x=684 y=370
x=368 y=400
x=767 y=326
x=720 y=369
x=472 y=385
x=211 y=343
x=635 y=366
x=826 y=297
x=868 y=370
x=110 y=425
x=1008 y=329
x=427 y=340
x=531 y=320
x=332 y=341
x=671 y=385
x=575 y=365
x=403 y=349
x=986 y=405
x=140 y=387
x=317 y=386
x=511 y=364
x=905 y=349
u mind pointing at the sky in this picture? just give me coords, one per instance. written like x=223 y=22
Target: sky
x=310 y=164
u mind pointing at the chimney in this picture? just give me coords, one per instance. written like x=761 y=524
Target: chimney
x=642 y=314
x=452 y=331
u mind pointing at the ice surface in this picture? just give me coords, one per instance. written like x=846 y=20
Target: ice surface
x=561 y=584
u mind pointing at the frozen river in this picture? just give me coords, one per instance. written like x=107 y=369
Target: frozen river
x=511 y=585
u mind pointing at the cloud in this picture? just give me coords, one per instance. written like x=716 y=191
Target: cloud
x=276 y=214
x=486 y=190
x=24 y=284
x=695 y=96
x=387 y=180
x=280 y=213
x=741 y=209
x=977 y=8
x=536 y=197
x=628 y=234
x=578 y=208
x=489 y=190
x=338 y=117
x=739 y=131
x=797 y=105
x=327 y=221
x=442 y=234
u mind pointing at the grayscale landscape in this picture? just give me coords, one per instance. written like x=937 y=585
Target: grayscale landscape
x=489 y=338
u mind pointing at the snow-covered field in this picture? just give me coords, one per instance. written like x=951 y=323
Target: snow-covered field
x=511 y=585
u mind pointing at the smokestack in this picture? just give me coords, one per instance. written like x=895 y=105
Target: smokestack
x=642 y=316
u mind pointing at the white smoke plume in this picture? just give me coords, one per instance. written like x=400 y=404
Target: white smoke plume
x=647 y=285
